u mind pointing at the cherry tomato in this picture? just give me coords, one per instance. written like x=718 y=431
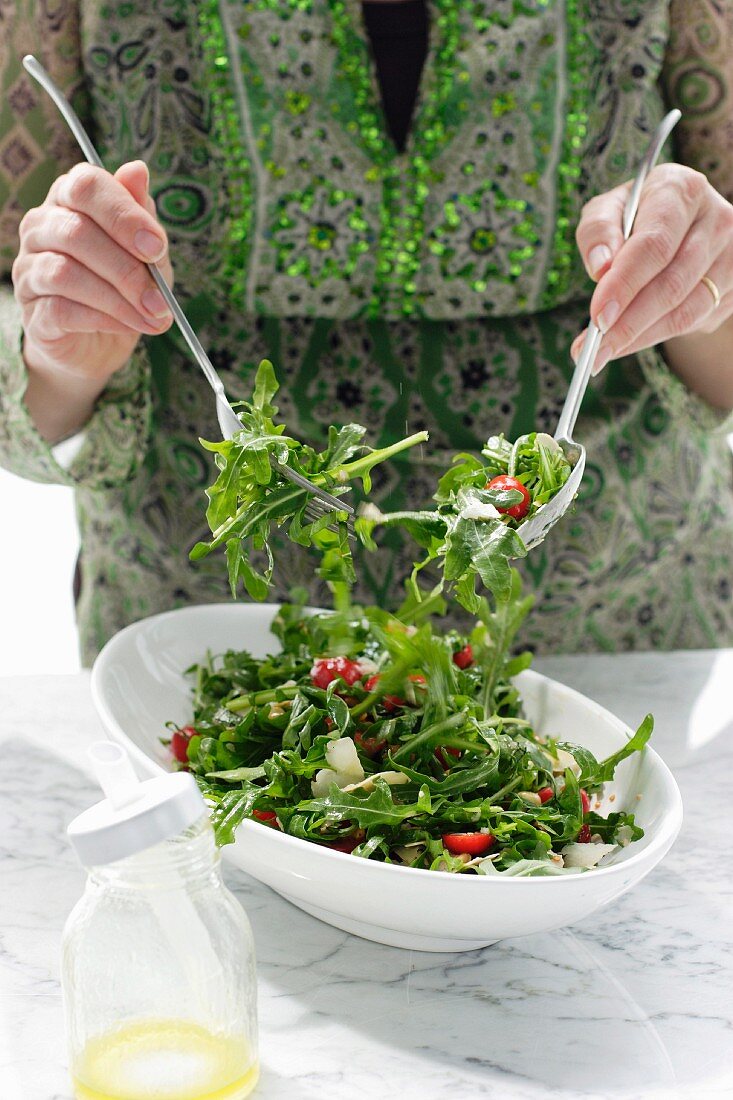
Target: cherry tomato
x=463 y=658
x=546 y=794
x=584 y=835
x=389 y=702
x=346 y=844
x=584 y=801
x=372 y=746
x=179 y=743
x=267 y=817
x=473 y=844
x=443 y=751
x=504 y=481
x=392 y=703
x=327 y=669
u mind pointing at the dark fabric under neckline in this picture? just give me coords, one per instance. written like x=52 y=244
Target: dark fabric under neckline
x=398 y=34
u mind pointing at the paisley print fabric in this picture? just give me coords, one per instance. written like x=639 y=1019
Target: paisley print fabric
x=699 y=80
x=437 y=289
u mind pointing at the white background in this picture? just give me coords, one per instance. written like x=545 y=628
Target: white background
x=38 y=545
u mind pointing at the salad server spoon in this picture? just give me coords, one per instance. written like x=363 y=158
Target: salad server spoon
x=534 y=530
x=321 y=502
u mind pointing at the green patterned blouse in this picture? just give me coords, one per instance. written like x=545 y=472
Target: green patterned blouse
x=437 y=287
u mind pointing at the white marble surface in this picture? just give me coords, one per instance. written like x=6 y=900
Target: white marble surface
x=636 y=1005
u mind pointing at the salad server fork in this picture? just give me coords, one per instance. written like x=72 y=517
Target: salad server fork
x=534 y=530
x=320 y=502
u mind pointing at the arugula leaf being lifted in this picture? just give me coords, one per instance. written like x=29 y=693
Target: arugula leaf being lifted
x=472 y=532
x=250 y=498
x=470 y=536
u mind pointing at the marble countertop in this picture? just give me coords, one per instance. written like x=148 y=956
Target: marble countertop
x=636 y=1005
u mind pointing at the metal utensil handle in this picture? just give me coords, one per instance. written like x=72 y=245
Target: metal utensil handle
x=39 y=74
x=592 y=342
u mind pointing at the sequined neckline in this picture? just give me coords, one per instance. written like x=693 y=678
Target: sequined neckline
x=399 y=236
x=406 y=176
x=352 y=42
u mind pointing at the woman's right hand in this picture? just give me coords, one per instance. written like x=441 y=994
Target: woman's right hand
x=85 y=293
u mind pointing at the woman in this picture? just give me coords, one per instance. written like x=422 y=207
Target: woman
x=382 y=200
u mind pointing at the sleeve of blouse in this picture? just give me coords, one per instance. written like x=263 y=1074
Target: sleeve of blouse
x=697 y=77
x=35 y=147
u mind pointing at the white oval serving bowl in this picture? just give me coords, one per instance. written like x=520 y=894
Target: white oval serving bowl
x=138 y=685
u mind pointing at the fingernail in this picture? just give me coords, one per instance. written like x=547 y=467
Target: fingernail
x=598 y=257
x=608 y=316
x=149 y=245
x=154 y=302
x=601 y=359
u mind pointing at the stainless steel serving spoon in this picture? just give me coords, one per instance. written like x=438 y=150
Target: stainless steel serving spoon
x=321 y=502
x=534 y=530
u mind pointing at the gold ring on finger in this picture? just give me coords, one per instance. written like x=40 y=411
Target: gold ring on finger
x=713 y=290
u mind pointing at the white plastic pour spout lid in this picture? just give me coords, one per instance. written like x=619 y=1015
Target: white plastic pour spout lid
x=134 y=815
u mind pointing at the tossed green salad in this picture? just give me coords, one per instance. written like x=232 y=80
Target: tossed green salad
x=378 y=734
x=471 y=532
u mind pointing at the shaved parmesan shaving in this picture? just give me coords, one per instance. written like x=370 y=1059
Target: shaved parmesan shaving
x=586 y=855
x=342 y=756
x=565 y=760
x=322 y=781
x=480 y=512
x=345 y=771
x=547 y=441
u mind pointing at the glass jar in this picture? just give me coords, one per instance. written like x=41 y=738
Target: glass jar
x=158 y=975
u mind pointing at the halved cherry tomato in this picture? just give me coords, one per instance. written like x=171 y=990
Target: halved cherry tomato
x=463 y=658
x=442 y=752
x=179 y=743
x=326 y=669
x=372 y=746
x=584 y=835
x=473 y=844
x=504 y=481
x=346 y=844
x=546 y=794
x=267 y=817
x=389 y=702
x=584 y=801
x=392 y=703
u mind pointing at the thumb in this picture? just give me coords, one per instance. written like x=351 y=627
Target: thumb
x=600 y=232
x=135 y=178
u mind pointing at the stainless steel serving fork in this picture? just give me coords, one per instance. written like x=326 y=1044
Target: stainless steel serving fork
x=534 y=530
x=320 y=502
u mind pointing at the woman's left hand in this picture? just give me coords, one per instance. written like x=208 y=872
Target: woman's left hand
x=650 y=288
